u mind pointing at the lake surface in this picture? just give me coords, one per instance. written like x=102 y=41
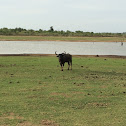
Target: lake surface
x=74 y=48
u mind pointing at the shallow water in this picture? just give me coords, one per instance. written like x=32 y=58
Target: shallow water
x=74 y=48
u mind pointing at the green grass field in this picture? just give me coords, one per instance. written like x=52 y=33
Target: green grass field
x=55 y=38
x=34 y=92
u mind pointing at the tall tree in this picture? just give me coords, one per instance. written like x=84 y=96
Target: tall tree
x=51 y=29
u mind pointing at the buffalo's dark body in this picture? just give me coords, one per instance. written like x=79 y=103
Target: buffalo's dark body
x=63 y=57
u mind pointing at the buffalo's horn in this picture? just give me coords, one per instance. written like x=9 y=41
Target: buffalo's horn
x=56 y=53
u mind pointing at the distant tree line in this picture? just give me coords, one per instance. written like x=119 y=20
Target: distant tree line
x=52 y=32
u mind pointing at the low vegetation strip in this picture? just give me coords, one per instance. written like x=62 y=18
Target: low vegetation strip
x=52 y=32
x=35 y=92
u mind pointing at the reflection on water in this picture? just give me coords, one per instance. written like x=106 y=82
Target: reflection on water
x=74 y=48
x=121 y=43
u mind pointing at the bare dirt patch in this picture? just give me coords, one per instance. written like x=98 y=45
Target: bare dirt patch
x=11 y=116
x=48 y=123
x=26 y=124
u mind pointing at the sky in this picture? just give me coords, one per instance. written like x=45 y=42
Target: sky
x=73 y=15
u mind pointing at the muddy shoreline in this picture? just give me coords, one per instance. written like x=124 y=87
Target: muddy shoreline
x=67 y=40
x=102 y=56
x=61 y=38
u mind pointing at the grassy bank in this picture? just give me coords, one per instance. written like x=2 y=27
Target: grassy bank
x=35 y=92
x=53 y=38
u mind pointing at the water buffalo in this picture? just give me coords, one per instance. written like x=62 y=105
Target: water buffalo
x=63 y=57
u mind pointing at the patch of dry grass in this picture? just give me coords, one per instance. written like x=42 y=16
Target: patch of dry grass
x=55 y=38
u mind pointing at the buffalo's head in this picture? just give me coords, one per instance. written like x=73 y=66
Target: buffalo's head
x=59 y=55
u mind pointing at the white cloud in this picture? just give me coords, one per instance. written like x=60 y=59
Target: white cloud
x=64 y=14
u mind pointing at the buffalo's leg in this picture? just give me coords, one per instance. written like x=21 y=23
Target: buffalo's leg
x=61 y=67
x=68 y=65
